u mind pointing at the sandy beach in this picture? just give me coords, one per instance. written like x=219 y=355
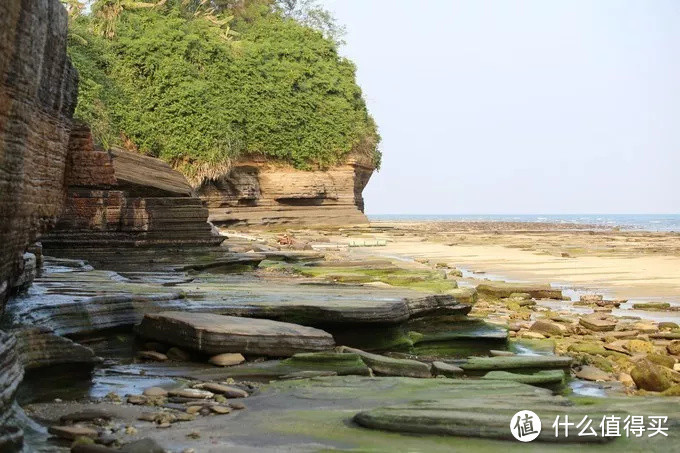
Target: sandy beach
x=633 y=265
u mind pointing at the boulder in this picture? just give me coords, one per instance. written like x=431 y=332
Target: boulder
x=674 y=347
x=217 y=334
x=226 y=390
x=649 y=376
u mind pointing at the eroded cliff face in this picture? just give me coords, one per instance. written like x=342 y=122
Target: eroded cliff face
x=38 y=89
x=120 y=199
x=258 y=193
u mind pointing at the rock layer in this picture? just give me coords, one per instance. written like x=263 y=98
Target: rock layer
x=38 y=89
x=11 y=374
x=259 y=193
x=216 y=334
x=122 y=199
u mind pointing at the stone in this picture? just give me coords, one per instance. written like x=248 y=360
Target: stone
x=227 y=359
x=645 y=327
x=674 y=347
x=154 y=392
x=505 y=289
x=388 y=366
x=446 y=369
x=543 y=377
x=220 y=409
x=191 y=393
x=256 y=193
x=137 y=399
x=591 y=373
x=152 y=355
x=597 y=324
x=531 y=335
x=668 y=325
x=498 y=353
x=591 y=298
x=237 y=405
x=72 y=432
x=652 y=306
x=226 y=390
x=549 y=328
x=83 y=448
x=178 y=355
x=217 y=334
x=648 y=376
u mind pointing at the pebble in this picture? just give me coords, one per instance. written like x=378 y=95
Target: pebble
x=227 y=359
x=152 y=355
x=155 y=392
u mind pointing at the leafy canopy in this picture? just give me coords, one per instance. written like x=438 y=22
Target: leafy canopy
x=199 y=85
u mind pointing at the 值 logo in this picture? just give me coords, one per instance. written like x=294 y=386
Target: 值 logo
x=525 y=426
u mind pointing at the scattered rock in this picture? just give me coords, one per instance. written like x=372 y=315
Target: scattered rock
x=543 y=377
x=220 y=409
x=227 y=391
x=191 y=393
x=237 y=405
x=663 y=360
x=668 y=325
x=674 y=347
x=652 y=306
x=591 y=373
x=86 y=416
x=227 y=359
x=626 y=379
x=549 y=328
x=640 y=346
x=143 y=446
x=137 y=399
x=597 y=324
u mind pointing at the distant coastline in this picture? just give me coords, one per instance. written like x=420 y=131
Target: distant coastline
x=642 y=222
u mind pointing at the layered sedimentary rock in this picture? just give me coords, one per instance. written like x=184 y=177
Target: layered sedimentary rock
x=122 y=199
x=38 y=88
x=260 y=193
x=38 y=347
x=11 y=373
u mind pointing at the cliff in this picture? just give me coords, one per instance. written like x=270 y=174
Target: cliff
x=120 y=199
x=256 y=193
x=38 y=88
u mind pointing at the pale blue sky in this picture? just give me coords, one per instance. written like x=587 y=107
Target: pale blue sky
x=537 y=106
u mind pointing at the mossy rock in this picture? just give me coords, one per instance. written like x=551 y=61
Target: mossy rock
x=660 y=359
x=649 y=376
x=543 y=377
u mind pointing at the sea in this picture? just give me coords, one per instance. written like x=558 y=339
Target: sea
x=642 y=222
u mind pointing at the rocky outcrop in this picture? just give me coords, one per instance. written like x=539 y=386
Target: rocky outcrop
x=122 y=199
x=38 y=89
x=260 y=193
x=38 y=347
x=216 y=334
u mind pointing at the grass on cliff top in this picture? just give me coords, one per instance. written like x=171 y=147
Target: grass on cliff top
x=172 y=83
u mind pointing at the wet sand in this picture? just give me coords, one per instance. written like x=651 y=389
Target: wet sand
x=622 y=264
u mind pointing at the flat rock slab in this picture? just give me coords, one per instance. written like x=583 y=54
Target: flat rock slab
x=217 y=334
x=544 y=377
x=477 y=364
x=388 y=366
x=597 y=324
x=504 y=289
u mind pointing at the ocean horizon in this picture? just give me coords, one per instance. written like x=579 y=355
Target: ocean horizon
x=641 y=222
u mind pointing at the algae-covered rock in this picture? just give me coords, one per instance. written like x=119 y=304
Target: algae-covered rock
x=543 y=377
x=388 y=366
x=640 y=346
x=674 y=347
x=504 y=289
x=446 y=369
x=478 y=364
x=341 y=363
x=662 y=360
x=597 y=324
x=649 y=376
x=549 y=328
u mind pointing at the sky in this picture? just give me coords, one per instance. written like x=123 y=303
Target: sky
x=520 y=107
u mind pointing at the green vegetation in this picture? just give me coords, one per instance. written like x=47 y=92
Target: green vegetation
x=200 y=83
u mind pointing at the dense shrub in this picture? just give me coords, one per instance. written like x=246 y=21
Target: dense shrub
x=198 y=94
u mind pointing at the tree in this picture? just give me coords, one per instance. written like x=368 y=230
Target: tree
x=107 y=13
x=311 y=14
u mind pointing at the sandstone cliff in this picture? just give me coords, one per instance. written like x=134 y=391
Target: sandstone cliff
x=38 y=89
x=120 y=199
x=260 y=193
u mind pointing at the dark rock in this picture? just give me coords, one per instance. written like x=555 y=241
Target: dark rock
x=388 y=366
